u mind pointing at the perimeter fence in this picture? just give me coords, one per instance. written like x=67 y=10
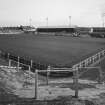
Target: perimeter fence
x=29 y=64
x=17 y=61
x=90 y=60
x=24 y=63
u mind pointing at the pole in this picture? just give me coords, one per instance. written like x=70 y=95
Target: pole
x=70 y=21
x=31 y=63
x=29 y=69
x=99 y=56
x=9 y=62
x=103 y=14
x=76 y=82
x=30 y=20
x=47 y=21
x=18 y=63
x=100 y=70
x=36 y=84
x=47 y=77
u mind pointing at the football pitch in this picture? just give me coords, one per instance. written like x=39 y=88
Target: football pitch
x=61 y=51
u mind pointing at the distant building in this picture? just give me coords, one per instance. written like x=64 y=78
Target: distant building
x=97 y=32
x=56 y=29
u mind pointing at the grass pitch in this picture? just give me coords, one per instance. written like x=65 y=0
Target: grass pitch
x=55 y=50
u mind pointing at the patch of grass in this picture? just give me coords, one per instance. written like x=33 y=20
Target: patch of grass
x=7 y=98
x=90 y=74
x=102 y=65
x=72 y=86
x=55 y=50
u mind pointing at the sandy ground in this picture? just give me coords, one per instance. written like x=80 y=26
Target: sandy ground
x=23 y=85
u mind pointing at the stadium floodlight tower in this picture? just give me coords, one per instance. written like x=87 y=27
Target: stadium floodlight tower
x=47 y=22
x=69 y=21
x=30 y=21
x=103 y=16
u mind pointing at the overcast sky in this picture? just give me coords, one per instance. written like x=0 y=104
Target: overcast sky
x=82 y=12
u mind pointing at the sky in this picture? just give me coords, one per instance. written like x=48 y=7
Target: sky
x=55 y=12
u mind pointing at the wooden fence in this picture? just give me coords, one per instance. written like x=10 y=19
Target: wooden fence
x=83 y=64
x=31 y=65
x=91 y=60
x=26 y=63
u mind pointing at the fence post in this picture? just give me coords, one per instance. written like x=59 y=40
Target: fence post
x=9 y=62
x=85 y=62
x=29 y=69
x=93 y=59
x=99 y=56
x=48 y=72
x=76 y=82
x=36 y=84
x=96 y=57
x=18 y=63
x=31 y=63
x=80 y=64
x=90 y=60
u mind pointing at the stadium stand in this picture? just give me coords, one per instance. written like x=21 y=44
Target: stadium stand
x=10 y=30
x=73 y=31
x=56 y=30
x=16 y=30
x=97 y=32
